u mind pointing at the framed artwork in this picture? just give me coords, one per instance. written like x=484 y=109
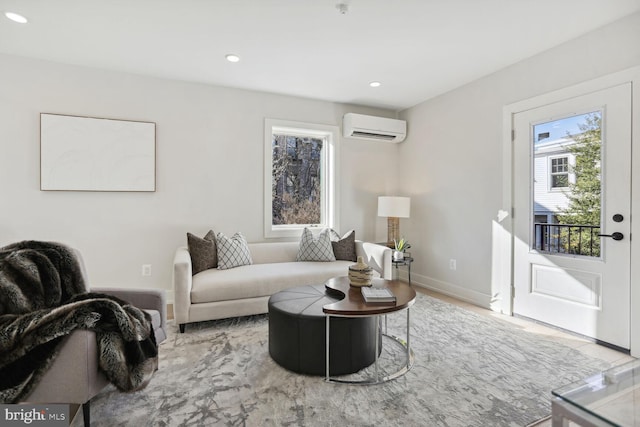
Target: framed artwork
x=96 y=154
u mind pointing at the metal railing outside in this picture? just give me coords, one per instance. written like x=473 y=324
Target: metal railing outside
x=572 y=239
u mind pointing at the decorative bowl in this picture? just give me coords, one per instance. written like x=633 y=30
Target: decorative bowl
x=360 y=274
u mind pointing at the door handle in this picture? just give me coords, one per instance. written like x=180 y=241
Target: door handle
x=614 y=236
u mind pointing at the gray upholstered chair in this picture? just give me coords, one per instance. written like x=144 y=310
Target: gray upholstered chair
x=74 y=377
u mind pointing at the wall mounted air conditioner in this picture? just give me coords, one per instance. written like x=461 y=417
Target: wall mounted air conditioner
x=373 y=128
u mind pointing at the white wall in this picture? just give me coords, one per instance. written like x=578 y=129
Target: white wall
x=451 y=162
x=210 y=162
x=209 y=166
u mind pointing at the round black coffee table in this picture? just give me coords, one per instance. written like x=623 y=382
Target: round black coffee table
x=297 y=334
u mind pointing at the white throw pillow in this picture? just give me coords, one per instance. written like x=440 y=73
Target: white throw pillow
x=232 y=251
x=315 y=249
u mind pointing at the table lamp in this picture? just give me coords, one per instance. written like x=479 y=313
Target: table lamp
x=393 y=208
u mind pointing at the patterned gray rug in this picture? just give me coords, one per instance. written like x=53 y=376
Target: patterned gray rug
x=470 y=370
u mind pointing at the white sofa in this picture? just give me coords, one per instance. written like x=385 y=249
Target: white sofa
x=242 y=291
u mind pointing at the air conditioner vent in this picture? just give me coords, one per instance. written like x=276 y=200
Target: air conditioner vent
x=361 y=134
x=373 y=128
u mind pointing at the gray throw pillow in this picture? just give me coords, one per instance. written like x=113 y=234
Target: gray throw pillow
x=203 y=252
x=232 y=251
x=315 y=249
x=344 y=248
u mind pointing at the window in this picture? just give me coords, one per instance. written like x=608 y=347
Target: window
x=559 y=172
x=300 y=177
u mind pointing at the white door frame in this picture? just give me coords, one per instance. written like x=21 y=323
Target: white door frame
x=504 y=286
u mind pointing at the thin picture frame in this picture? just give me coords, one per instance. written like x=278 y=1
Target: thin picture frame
x=79 y=153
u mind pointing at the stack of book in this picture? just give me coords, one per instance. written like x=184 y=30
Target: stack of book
x=378 y=295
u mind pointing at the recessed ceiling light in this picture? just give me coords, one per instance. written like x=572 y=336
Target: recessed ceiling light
x=16 y=18
x=232 y=58
x=374 y=84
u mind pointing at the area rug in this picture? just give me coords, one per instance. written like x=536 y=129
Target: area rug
x=470 y=370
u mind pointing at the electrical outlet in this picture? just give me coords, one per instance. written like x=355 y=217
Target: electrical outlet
x=146 y=269
x=452 y=264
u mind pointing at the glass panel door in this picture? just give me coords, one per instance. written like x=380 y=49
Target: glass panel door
x=567 y=182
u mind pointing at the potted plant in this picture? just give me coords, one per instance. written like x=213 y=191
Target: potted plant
x=400 y=246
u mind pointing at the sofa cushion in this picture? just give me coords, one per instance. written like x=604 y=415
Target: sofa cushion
x=203 y=251
x=267 y=253
x=315 y=248
x=232 y=251
x=344 y=248
x=259 y=280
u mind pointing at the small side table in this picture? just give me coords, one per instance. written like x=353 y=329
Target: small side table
x=407 y=260
x=352 y=305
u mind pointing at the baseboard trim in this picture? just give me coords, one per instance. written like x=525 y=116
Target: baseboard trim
x=463 y=294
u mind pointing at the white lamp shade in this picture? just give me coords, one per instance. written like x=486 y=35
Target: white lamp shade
x=398 y=207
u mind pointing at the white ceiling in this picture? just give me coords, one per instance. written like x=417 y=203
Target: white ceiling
x=416 y=48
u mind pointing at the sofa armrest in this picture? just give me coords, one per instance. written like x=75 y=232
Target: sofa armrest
x=144 y=298
x=377 y=257
x=182 y=283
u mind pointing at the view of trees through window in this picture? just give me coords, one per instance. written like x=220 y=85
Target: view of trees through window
x=296 y=183
x=574 y=226
x=585 y=194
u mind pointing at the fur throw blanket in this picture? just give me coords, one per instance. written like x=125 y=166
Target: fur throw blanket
x=43 y=299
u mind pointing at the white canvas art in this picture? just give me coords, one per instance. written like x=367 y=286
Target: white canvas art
x=92 y=154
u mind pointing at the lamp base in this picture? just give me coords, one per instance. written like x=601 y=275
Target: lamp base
x=393 y=231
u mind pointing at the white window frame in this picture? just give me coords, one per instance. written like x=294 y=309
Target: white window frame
x=552 y=174
x=328 y=180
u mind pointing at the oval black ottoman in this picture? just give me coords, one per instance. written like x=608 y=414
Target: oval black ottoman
x=297 y=334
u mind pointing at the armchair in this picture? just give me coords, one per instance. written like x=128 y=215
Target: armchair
x=74 y=377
